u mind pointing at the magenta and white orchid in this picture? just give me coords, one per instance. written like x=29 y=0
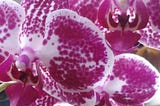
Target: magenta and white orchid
x=62 y=51
x=129 y=21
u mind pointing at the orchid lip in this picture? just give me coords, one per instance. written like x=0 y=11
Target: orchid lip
x=25 y=76
x=23 y=67
x=123 y=20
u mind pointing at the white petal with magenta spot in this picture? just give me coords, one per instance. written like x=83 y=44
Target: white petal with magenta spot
x=139 y=80
x=74 y=47
x=11 y=18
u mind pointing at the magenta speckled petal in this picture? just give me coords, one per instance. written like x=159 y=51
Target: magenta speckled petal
x=44 y=100
x=133 y=80
x=5 y=64
x=75 y=48
x=86 y=8
x=74 y=98
x=34 y=25
x=11 y=17
x=154 y=8
x=149 y=37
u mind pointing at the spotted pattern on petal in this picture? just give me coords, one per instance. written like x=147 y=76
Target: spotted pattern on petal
x=34 y=24
x=74 y=98
x=44 y=100
x=37 y=11
x=3 y=55
x=11 y=17
x=134 y=80
x=154 y=8
x=76 y=49
x=149 y=37
x=86 y=8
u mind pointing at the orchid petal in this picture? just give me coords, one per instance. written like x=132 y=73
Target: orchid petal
x=85 y=8
x=155 y=100
x=107 y=101
x=74 y=98
x=149 y=37
x=34 y=25
x=122 y=41
x=11 y=17
x=154 y=8
x=142 y=14
x=63 y=104
x=5 y=64
x=3 y=55
x=103 y=99
x=75 y=48
x=113 y=103
x=44 y=100
x=25 y=95
x=103 y=12
x=133 y=81
x=123 y=5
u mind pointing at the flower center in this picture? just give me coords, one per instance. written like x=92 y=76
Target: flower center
x=23 y=69
x=123 y=20
x=25 y=59
x=24 y=76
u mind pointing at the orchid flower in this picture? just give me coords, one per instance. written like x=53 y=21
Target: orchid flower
x=133 y=80
x=126 y=22
x=71 y=47
x=61 y=56
x=123 y=18
x=17 y=63
x=135 y=21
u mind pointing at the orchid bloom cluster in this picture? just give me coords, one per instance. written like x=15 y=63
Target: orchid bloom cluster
x=78 y=52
